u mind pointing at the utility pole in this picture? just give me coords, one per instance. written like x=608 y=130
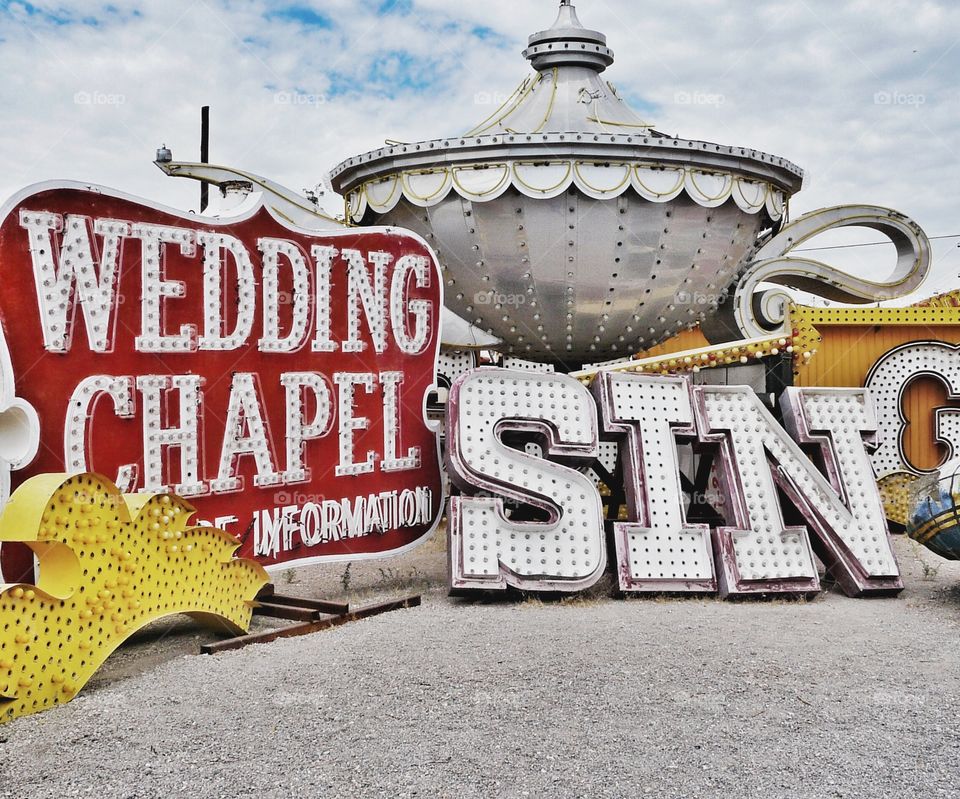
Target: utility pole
x=204 y=154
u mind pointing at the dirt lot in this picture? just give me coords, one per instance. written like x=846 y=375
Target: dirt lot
x=587 y=697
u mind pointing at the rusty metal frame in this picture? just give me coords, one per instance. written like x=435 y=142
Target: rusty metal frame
x=311 y=626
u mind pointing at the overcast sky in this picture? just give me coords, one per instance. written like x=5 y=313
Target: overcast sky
x=863 y=94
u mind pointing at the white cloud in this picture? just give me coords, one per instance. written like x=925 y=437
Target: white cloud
x=861 y=94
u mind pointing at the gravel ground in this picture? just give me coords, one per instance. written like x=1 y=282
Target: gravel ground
x=594 y=697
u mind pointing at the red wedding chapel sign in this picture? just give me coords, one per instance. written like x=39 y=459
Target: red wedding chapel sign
x=273 y=376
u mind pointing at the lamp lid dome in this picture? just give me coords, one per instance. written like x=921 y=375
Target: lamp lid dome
x=568 y=42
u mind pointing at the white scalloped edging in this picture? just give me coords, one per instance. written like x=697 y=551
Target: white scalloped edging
x=601 y=181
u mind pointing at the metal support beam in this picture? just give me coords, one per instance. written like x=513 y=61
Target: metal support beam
x=308 y=627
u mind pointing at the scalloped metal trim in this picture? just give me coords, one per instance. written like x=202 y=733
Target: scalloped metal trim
x=547 y=179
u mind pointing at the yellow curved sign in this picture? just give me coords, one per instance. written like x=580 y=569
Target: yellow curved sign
x=109 y=564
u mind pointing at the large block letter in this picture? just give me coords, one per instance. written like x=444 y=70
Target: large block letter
x=888 y=381
x=846 y=513
x=79 y=275
x=488 y=550
x=758 y=552
x=158 y=439
x=366 y=296
x=657 y=550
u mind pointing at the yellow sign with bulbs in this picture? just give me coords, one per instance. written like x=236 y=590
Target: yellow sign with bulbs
x=109 y=564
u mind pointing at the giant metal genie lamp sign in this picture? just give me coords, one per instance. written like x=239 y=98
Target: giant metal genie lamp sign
x=273 y=377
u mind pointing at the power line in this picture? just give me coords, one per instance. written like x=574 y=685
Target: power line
x=871 y=244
